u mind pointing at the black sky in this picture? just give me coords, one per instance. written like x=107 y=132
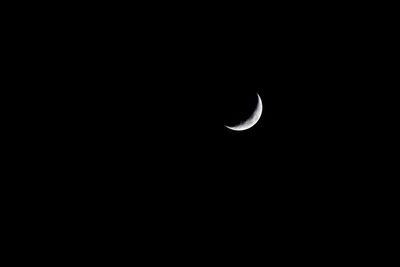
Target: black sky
x=119 y=129
x=146 y=101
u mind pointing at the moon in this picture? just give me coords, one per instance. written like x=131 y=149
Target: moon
x=252 y=120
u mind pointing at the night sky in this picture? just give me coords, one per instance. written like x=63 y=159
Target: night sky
x=139 y=104
x=157 y=105
x=129 y=126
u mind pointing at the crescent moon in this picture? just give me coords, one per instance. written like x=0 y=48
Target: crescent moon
x=252 y=120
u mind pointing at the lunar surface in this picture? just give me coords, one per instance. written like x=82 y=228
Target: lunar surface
x=251 y=121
